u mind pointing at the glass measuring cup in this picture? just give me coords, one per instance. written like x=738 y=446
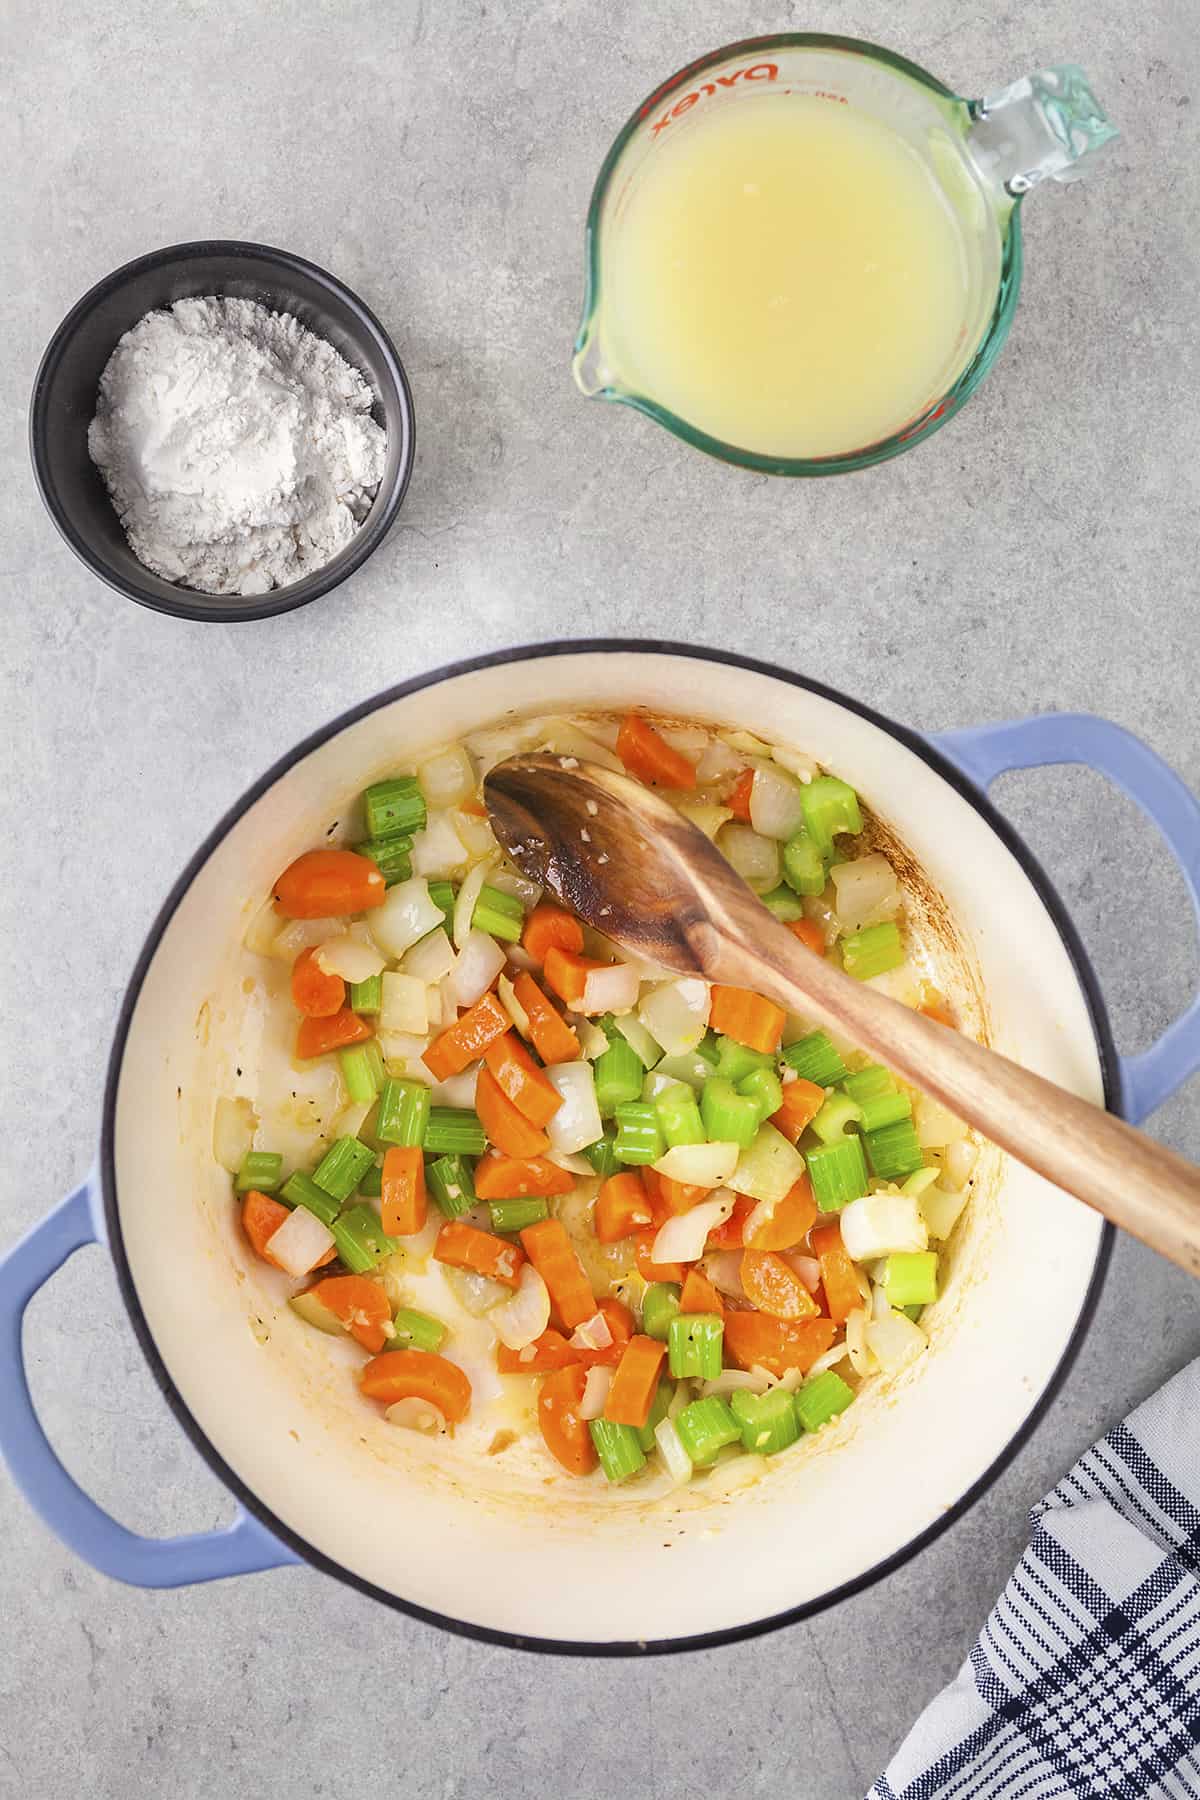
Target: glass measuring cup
x=983 y=156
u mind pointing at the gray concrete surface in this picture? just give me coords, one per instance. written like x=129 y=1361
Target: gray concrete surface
x=1039 y=553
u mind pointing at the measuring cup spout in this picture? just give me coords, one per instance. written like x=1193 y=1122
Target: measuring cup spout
x=1047 y=125
x=593 y=377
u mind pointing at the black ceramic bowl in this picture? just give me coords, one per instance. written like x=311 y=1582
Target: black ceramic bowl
x=64 y=400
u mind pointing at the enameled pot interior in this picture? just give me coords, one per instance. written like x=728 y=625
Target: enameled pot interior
x=502 y=1543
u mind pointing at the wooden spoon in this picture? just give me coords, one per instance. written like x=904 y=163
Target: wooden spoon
x=626 y=862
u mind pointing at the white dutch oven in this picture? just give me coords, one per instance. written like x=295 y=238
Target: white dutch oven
x=502 y=1548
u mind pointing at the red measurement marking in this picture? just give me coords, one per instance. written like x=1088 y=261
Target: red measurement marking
x=755 y=72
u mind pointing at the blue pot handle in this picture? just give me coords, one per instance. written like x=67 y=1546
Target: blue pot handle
x=238 y=1549
x=986 y=751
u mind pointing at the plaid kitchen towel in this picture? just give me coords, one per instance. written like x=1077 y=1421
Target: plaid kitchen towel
x=1085 y=1681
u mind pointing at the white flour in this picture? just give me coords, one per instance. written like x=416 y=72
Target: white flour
x=237 y=446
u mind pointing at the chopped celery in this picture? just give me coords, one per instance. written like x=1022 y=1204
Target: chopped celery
x=454 y=1131
x=707 y=1049
x=764 y=1087
x=358 y=1074
x=302 y=1190
x=690 y=1066
x=830 y=806
x=872 y=951
x=663 y=1396
x=390 y=856
x=838 y=1173
x=367 y=996
x=501 y=915
x=735 y=1061
x=361 y=1240
x=371 y=1185
x=417 y=1330
x=450 y=1183
x=679 y=1116
x=895 y=1151
x=639 y=1137
x=910 y=1278
x=375 y=1063
x=705 y=1427
x=617 y=1447
x=869 y=1083
x=394 y=807
x=515 y=1215
x=768 y=1421
x=694 y=1345
x=618 y=1071
x=783 y=902
x=838 y=1112
x=660 y=1304
x=404 y=1112
x=884 y=1109
x=821 y=1399
x=307 y=1307
x=442 y=894
x=815 y=1059
x=803 y=864
x=912 y=1312
x=729 y=1117
x=261 y=1170
x=603 y=1155
x=343 y=1166
x=647 y=1049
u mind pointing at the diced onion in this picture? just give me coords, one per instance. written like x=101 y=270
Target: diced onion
x=431 y=959
x=656 y=1083
x=407 y=915
x=805 y=767
x=525 y=1316
x=457 y=1090
x=706 y=815
x=350 y=1121
x=717 y=761
x=352 y=960
x=699 y=1165
x=592 y=1040
x=806 y=1267
x=724 y=1270
x=234 y=1125
x=300 y=1242
x=593 y=1334
x=676 y=1014
x=575 y=1165
x=960 y=1160
x=895 y=1340
x=768 y=1168
x=514 y=1009
x=476 y=1294
x=690 y=740
x=438 y=852
x=937 y=1127
x=676 y=1460
x=941 y=1209
x=564 y=739
x=405 y=1004
x=746 y=742
x=639 y=1040
x=447 y=778
x=465 y=900
x=862 y=1360
x=416 y=1414
x=577 y=1122
x=775 y=807
x=750 y=1381
x=755 y=858
x=402 y=1052
x=683 y=1237
x=507 y=880
x=830 y=1360
x=595 y=1391
x=305 y=934
x=263 y=930
x=867 y=892
x=479 y=963
x=882 y=1225
x=476 y=834
x=613 y=988
x=881 y=1306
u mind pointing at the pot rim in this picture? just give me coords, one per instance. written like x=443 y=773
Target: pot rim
x=941 y=765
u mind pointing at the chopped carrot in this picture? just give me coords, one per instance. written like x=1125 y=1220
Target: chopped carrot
x=738 y=801
x=647 y=754
x=842 y=1292
x=635 y=1382
x=480 y=1252
x=938 y=1010
x=622 y=1207
x=802 y=1101
x=419 y=1375
x=667 y=1197
x=323 y=883
x=552 y=1254
x=508 y=1129
x=550 y=927
x=774 y=1287
x=466 y=1040
x=810 y=935
x=730 y=1234
x=361 y=1305
x=315 y=993
x=261 y=1219
x=747 y=1018
x=549 y=1032
x=566 y=973
x=521 y=1080
x=519 y=1178
x=698 y=1295
x=316 y=1037
x=792 y=1218
x=648 y=1269
x=550 y=1351
x=754 y=1340
x=403 y=1204
x=565 y=1434
x=620 y=1323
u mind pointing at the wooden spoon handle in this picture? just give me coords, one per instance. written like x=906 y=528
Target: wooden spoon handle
x=1128 y=1177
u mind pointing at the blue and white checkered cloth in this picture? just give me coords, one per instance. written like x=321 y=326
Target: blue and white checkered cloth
x=1085 y=1681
